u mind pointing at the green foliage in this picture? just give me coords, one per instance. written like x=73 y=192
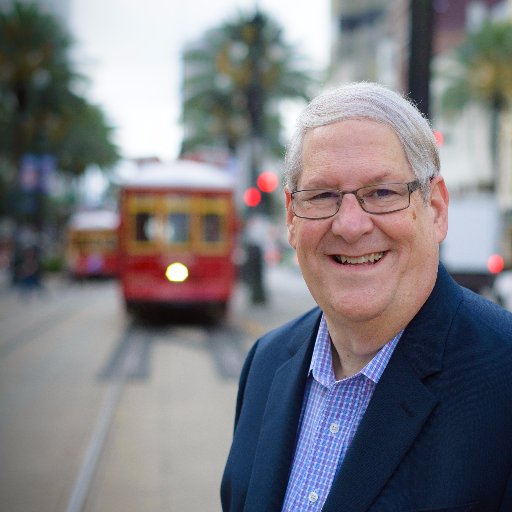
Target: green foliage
x=39 y=112
x=483 y=71
x=86 y=137
x=235 y=77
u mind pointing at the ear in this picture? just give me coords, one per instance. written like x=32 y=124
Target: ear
x=290 y=218
x=439 y=199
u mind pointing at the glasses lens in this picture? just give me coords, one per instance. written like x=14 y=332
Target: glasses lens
x=315 y=204
x=384 y=198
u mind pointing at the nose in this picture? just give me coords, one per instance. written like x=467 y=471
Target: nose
x=351 y=222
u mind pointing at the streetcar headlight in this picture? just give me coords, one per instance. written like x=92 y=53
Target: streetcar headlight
x=176 y=272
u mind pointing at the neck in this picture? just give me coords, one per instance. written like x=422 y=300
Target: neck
x=351 y=355
x=353 y=347
x=346 y=365
x=356 y=341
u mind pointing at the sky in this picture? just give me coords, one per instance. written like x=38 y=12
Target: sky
x=130 y=52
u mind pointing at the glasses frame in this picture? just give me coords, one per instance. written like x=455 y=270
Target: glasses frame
x=411 y=187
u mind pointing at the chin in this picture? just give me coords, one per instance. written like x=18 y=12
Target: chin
x=361 y=307
x=359 y=316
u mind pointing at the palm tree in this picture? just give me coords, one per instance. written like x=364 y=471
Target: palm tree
x=234 y=78
x=38 y=108
x=483 y=73
x=33 y=72
x=44 y=123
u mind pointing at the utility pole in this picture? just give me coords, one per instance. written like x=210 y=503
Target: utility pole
x=256 y=102
x=256 y=107
x=420 y=53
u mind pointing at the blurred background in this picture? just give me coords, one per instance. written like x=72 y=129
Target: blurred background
x=142 y=236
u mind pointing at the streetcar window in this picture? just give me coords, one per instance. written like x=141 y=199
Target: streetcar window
x=94 y=242
x=211 y=228
x=177 y=229
x=144 y=227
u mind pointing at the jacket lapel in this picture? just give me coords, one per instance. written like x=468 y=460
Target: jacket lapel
x=397 y=411
x=400 y=405
x=276 y=444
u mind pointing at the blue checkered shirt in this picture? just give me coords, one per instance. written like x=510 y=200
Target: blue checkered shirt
x=331 y=413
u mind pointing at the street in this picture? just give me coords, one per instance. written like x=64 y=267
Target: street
x=103 y=412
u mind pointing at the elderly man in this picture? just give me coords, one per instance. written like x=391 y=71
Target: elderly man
x=395 y=394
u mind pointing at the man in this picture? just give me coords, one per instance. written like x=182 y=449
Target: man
x=396 y=393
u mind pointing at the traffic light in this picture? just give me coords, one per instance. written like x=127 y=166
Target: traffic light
x=267 y=181
x=252 y=197
x=495 y=264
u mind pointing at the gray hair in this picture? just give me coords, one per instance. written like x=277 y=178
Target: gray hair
x=363 y=100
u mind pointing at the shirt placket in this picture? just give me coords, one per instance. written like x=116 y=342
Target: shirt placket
x=326 y=451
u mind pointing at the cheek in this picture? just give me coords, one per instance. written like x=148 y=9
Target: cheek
x=422 y=237
x=304 y=236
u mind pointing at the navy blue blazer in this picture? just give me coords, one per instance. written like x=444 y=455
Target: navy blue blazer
x=437 y=434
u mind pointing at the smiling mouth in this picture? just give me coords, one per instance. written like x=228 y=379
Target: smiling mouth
x=371 y=258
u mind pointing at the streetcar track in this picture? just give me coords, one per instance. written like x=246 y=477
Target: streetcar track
x=131 y=355
x=129 y=360
x=122 y=366
x=227 y=350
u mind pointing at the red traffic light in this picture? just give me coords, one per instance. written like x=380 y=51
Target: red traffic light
x=495 y=264
x=252 y=197
x=267 y=181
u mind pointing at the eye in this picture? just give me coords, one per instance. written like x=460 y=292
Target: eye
x=319 y=195
x=384 y=193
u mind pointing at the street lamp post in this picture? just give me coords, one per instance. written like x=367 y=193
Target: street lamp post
x=420 y=52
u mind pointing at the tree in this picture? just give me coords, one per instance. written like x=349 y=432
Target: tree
x=39 y=112
x=44 y=123
x=85 y=139
x=483 y=73
x=235 y=77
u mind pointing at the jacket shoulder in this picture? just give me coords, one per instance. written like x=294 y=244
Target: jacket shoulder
x=486 y=319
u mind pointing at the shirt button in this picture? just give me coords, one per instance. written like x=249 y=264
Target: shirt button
x=334 y=428
x=313 y=496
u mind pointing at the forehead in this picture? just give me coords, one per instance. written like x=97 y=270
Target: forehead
x=353 y=135
x=355 y=148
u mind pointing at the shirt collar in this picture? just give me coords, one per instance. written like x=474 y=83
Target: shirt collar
x=321 y=363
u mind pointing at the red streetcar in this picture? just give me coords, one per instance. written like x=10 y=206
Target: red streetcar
x=91 y=246
x=177 y=237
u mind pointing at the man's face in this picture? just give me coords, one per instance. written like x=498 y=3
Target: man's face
x=390 y=260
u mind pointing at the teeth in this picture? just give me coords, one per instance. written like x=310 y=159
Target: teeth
x=367 y=258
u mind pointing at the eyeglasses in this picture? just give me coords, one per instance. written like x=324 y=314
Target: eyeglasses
x=376 y=199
